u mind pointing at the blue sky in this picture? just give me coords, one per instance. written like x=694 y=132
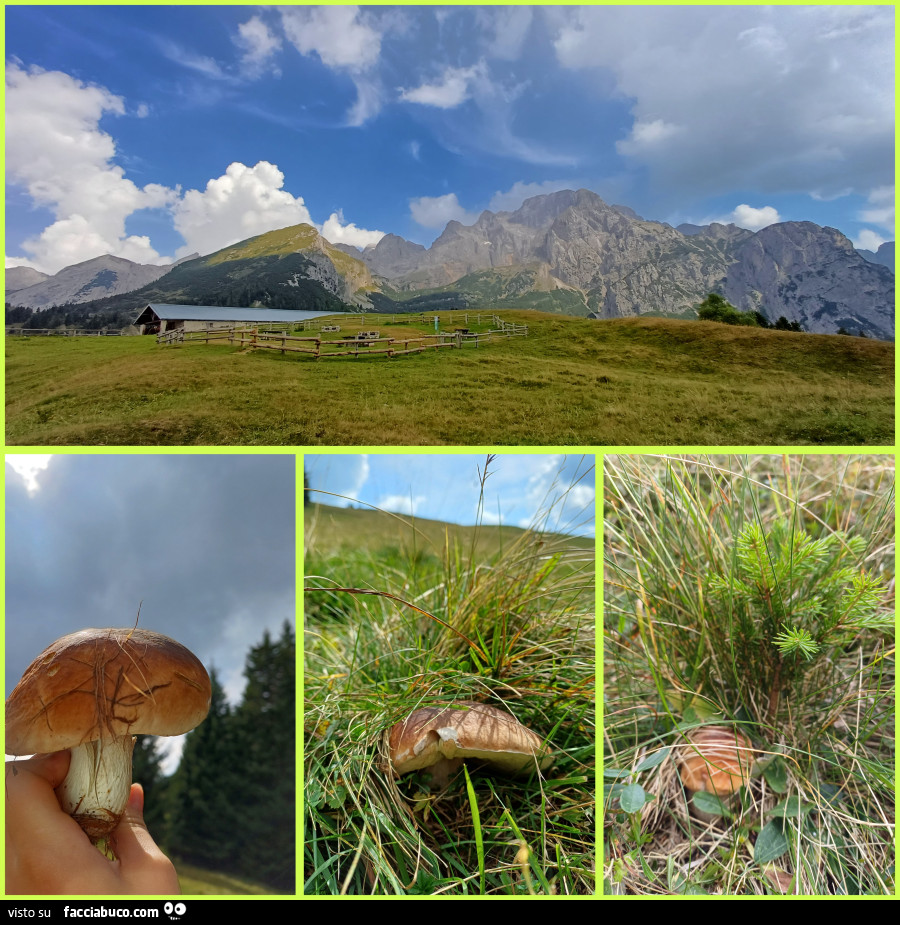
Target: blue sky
x=551 y=491
x=155 y=132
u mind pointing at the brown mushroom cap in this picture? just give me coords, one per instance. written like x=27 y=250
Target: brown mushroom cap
x=103 y=684
x=465 y=730
x=715 y=759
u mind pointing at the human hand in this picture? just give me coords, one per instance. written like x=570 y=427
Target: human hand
x=47 y=853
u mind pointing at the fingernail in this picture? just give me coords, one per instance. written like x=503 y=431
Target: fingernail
x=136 y=800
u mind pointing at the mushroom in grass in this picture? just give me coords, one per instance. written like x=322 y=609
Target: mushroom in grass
x=90 y=692
x=440 y=738
x=716 y=760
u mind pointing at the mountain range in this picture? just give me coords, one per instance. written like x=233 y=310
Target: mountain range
x=567 y=252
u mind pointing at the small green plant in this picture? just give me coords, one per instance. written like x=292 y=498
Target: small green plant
x=791 y=603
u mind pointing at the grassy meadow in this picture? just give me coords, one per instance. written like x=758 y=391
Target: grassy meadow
x=751 y=597
x=437 y=617
x=571 y=382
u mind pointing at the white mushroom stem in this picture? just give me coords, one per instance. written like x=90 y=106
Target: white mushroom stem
x=95 y=791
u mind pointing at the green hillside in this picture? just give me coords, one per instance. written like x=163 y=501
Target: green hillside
x=329 y=530
x=571 y=382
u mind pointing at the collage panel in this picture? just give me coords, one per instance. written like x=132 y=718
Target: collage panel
x=749 y=614
x=449 y=675
x=150 y=638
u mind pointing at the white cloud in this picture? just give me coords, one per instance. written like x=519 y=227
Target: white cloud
x=189 y=59
x=436 y=211
x=504 y=29
x=777 y=98
x=402 y=504
x=344 y=39
x=361 y=475
x=341 y=36
x=243 y=202
x=881 y=208
x=368 y=102
x=335 y=231
x=259 y=44
x=868 y=240
x=449 y=92
x=28 y=467
x=752 y=219
x=648 y=136
x=56 y=150
x=415 y=149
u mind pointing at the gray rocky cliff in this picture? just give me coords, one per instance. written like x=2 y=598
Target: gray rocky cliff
x=812 y=275
x=91 y=279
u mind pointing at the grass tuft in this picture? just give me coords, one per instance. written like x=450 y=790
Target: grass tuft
x=511 y=626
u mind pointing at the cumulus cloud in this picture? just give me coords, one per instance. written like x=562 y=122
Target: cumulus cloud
x=745 y=216
x=335 y=231
x=868 y=240
x=243 y=202
x=778 y=98
x=259 y=44
x=447 y=93
x=436 y=211
x=56 y=151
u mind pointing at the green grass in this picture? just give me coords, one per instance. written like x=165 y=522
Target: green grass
x=195 y=881
x=513 y=629
x=753 y=593
x=571 y=382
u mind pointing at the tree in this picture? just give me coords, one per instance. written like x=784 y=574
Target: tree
x=145 y=770
x=715 y=308
x=265 y=726
x=205 y=809
x=782 y=324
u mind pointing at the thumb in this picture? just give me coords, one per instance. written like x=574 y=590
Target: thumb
x=132 y=838
x=142 y=862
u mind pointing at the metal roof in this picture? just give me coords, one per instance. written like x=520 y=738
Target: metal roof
x=221 y=313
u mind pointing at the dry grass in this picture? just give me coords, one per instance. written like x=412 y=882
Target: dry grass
x=572 y=382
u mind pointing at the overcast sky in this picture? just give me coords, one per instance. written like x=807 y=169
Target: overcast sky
x=154 y=132
x=519 y=489
x=206 y=542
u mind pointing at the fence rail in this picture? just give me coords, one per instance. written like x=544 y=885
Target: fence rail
x=255 y=338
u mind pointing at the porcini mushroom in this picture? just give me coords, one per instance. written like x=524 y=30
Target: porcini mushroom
x=440 y=738
x=90 y=692
x=716 y=760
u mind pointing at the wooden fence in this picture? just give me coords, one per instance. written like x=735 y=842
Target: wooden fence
x=253 y=337
x=57 y=332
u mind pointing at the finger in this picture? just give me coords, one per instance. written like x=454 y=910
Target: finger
x=52 y=768
x=143 y=865
x=30 y=800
